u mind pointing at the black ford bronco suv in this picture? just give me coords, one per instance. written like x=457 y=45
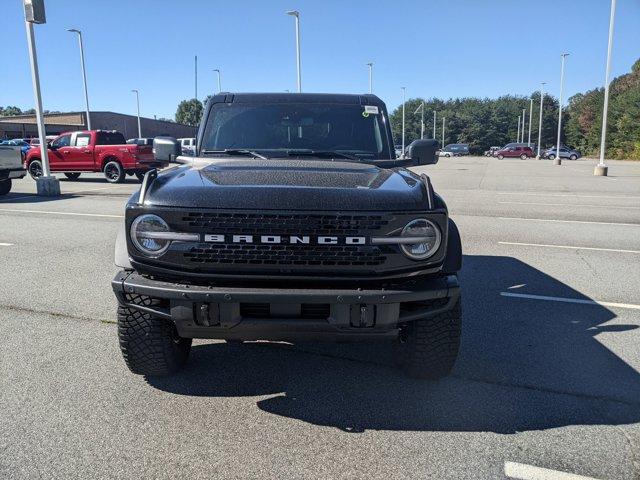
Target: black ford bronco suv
x=294 y=221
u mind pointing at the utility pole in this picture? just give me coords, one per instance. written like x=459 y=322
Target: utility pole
x=84 y=75
x=558 y=160
x=370 y=65
x=601 y=169
x=46 y=184
x=138 y=106
x=404 y=91
x=530 y=121
x=296 y=14
x=421 y=108
x=542 y=84
x=219 y=81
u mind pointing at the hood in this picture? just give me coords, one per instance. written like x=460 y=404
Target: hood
x=288 y=185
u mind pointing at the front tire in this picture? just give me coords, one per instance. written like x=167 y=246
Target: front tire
x=113 y=172
x=500 y=157
x=150 y=346
x=5 y=186
x=72 y=175
x=552 y=157
x=428 y=348
x=524 y=156
x=35 y=169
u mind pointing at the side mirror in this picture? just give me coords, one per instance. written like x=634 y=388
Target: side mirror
x=423 y=152
x=166 y=149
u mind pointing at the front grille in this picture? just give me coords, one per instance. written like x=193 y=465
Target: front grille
x=285 y=254
x=284 y=224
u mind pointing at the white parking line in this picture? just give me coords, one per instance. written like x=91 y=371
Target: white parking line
x=14 y=210
x=5 y=244
x=538 y=194
x=569 y=247
x=569 y=221
x=522 y=471
x=570 y=300
x=570 y=205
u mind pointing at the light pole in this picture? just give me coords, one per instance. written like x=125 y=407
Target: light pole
x=434 y=124
x=530 y=121
x=295 y=13
x=518 y=135
x=542 y=84
x=219 y=82
x=370 y=65
x=601 y=169
x=404 y=92
x=443 y=122
x=138 y=106
x=524 y=121
x=421 y=108
x=34 y=13
x=84 y=75
x=558 y=160
x=195 y=76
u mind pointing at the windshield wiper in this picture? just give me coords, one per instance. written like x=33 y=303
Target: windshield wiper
x=238 y=151
x=321 y=154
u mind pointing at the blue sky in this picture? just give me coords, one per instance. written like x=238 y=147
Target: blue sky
x=441 y=48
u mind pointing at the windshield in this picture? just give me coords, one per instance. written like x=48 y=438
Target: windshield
x=274 y=129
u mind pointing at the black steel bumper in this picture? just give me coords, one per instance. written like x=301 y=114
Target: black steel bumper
x=250 y=313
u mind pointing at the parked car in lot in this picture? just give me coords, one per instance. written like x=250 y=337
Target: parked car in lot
x=94 y=151
x=188 y=146
x=521 y=151
x=10 y=166
x=458 y=149
x=35 y=141
x=140 y=141
x=443 y=153
x=269 y=236
x=565 y=152
x=491 y=151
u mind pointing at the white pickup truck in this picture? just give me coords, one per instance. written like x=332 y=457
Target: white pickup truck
x=10 y=167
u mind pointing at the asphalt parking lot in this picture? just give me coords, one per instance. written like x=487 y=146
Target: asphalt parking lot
x=548 y=375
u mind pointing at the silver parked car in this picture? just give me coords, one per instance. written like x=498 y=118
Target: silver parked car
x=565 y=152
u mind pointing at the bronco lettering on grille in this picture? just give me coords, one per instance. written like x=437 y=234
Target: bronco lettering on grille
x=286 y=239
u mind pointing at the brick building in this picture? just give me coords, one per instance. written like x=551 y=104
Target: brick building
x=24 y=126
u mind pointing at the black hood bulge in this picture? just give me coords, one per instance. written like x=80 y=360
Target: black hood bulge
x=288 y=185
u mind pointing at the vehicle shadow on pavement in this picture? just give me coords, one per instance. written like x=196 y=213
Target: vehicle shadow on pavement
x=524 y=365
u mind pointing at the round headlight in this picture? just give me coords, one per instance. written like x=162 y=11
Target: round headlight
x=429 y=235
x=147 y=235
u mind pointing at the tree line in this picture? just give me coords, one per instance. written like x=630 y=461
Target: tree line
x=486 y=122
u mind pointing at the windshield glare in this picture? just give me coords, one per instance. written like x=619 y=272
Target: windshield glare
x=291 y=127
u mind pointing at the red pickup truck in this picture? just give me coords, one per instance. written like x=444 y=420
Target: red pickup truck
x=93 y=151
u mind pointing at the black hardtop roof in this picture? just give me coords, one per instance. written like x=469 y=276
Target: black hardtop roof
x=342 y=98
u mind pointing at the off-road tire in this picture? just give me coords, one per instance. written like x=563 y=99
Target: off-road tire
x=428 y=348
x=150 y=346
x=5 y=186
x=113 y=172
x=72 y=175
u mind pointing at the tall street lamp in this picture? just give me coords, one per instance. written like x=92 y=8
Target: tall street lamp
x=219 y=82
x=296 y=14
x=601 y=169
x=443 y=123
x=84 y=75
x=370 y=65
x=557 y=160
x=524 y=121
x=34 y=13
x=518 y=135
x=530 y=121
x=434 y=124
x=138 y=107
x=404 y=92
x=421 y=108
x=542 y=84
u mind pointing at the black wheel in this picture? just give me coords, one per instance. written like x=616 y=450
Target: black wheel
x=72 y=175
x=150 y=346
x=140 y=176
x=524 y=156
x=113 y=172
x=35 y=169
x=500 y=157
x=573 y=157
x=5 y=186
x=552 y=157
x=428 y=348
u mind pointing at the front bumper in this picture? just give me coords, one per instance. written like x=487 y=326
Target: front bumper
x=255 y=313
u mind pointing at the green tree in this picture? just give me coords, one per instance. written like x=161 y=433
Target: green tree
x=189 y=112
x=10 y=111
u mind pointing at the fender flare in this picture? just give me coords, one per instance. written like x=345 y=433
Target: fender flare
x=453 y=261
